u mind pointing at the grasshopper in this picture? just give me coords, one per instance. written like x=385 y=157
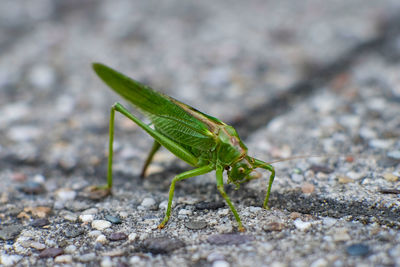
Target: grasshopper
x=202 y=141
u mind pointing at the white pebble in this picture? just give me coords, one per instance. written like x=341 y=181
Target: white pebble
x=86 y=218
x=65 y=194
x=163 y=205
x=319 y=263
x=70 y=249
x=90 y=211
x=10 y=260
x=134 y=260
x=185 y=212
x=63 y=259
x=37 y=245
x=148 y=202
x=106 y=262
x=220 y=264
x=303 y=226
x=101 y=224
x=94 y=233
x=223 y=212
x=102 y=239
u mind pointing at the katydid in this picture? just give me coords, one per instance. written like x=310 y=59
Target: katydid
x=204 y=142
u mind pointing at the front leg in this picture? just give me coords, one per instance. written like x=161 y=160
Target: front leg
x=179 y=177
x=220 y=186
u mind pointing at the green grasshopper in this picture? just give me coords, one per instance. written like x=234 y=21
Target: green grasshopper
x=202 y=141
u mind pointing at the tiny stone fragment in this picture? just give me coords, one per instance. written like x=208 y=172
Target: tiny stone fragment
x=10 y=232
x=101 y=224
x=40 y=222
x=113 y=219
x=319 y=168
x=85 y=218
x=345 y=180
x=40 y=212
x=117 y=236
x=63 y=259
x=358 y=250
x=307 y=188
x=72 y=232
x=389 y=191
x=148 y=203
x=37 y=245
x=196 y=225
x=274 y=226
x=102 y=239
x=161 y=245
x=65 y=194
x=51 y=252
x=229 y=239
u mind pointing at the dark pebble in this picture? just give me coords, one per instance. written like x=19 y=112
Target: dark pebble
x=229 y=239
x=196 y=225
x=389 y=191
x=161 y=245
x=10 y=232
x=357 y=250
x=319 y=168
x=40 y=222
x=117 y=236
x=51 y=252
x=31 y=187
x=72 y=232
x=113 y=219
x=209 y=205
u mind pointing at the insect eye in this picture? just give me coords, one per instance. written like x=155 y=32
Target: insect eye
x=227 y=168
x=241 y=170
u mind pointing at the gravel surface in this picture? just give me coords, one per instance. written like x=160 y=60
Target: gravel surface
x=295 y=78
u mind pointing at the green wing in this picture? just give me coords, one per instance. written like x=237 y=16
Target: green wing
x=178 y=121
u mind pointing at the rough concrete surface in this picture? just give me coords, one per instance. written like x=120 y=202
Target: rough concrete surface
x=294 y=78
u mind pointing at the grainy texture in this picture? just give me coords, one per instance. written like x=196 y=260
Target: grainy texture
x=295 y=77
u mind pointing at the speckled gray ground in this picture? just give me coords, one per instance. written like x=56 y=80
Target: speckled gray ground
x=294 y=77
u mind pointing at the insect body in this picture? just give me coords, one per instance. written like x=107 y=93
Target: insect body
x=202 y=141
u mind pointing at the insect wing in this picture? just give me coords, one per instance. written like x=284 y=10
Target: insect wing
x=168 y=117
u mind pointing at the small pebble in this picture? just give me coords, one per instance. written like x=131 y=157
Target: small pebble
x=10 y=232
x=63 y=259
x=395 y=154
x=196 y=225
x=223 y=212
x=94 y=233
x=51 y=252
x=102 y=239
x=390 y=177
x=87 y=257
x=303 y=226
x=72 y=232
x=274 y=226
x=117 y=236
x=101 y=224
x=113 y=219
x=298 y=178
x=40 y=222
x=358 y=250
x=106 y=262
x=307 y=188
x=86 y=218
x=345 y=180
x=134 y=260
x=70 y=249
x=220 y=263
x=70 y=217
x=65 y=194
x=37 y=245
x=9 y=260
x=185 y=212
x=148 y=203
x=18 y=177
x=319 y=168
